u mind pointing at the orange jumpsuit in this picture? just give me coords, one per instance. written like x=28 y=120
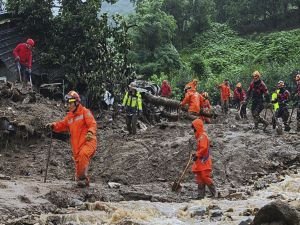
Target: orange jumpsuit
x=206 y=108
x=78 y=123
x=202 y=167
x=193 y=99
x=225 y=92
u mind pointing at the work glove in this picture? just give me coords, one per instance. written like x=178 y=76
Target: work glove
x=89 y=136
x=17 y=59
x=49 y=126
x=194 y=157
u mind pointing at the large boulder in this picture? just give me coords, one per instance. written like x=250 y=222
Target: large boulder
x=278 y=212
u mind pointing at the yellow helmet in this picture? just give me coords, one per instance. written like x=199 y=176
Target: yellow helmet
x=256 y=74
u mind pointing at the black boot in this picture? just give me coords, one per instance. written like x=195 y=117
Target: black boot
x=201 y=191
x=287 y=127
x=212 y=189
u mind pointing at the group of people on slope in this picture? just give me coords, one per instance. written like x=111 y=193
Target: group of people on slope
x=258 y=93
x=81 y=125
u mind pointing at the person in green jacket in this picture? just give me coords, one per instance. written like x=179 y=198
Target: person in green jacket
x=132 y=102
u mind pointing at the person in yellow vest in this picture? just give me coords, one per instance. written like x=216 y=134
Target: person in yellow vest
x=280 y=99
x=132 y=102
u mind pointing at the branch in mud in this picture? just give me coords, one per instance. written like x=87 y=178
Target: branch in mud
x=160 y=101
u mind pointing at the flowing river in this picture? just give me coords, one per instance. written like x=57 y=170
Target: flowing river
x=206 y=211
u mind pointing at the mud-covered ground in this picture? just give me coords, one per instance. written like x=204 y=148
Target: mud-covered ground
x=139 y=167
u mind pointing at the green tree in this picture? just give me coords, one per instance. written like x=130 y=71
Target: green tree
x=36 y=17
x=192 y=17
x=152 y=35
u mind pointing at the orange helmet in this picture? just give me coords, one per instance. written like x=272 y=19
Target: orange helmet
x=30 y=42
x=297 y=78
x=239 y=85
x=256 y=74
x=72 y=96
x=280 y=84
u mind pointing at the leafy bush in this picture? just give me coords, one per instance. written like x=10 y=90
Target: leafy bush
x=198 y=66
x=229 y=56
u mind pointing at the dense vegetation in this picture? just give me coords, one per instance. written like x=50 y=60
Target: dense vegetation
x=176 y=40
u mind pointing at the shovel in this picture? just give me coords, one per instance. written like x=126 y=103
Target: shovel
x=176 y=185
x=48 y=158
x=19 y=71
x=290 y=119
x=238 y=114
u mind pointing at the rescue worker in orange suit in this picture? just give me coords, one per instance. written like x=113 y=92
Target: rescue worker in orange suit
x=225 y=95
x=202 y=166
x=165 y=90
x=23 y=56
x=259 y=93
x=239 y=96
x=194 y=100
x=206 y=107
x=192 y=85
x=81 y=125
x=297 y=100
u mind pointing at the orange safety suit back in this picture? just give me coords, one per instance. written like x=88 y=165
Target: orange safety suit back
x=203 y=161
x=225 y=92
x=78 y=123
x=192 y=98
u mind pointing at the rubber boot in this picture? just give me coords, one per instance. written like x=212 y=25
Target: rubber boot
x=212 y=189
x=201 y=191
x=83 y=182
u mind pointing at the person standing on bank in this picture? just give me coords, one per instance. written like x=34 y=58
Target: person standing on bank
x=132 y=102
x=23 y=58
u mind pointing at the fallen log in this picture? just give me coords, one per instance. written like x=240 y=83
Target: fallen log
x=161 y=101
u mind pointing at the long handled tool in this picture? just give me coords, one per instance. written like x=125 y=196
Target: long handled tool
x=290 y=119
x=30 y=80
x=176 y=185
x=238 y=114
x=19 y=71
x=48 y=157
